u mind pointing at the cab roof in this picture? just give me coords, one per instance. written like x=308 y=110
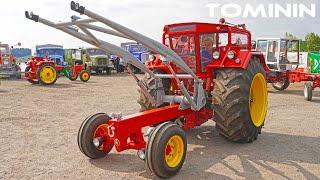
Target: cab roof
x=200 y=27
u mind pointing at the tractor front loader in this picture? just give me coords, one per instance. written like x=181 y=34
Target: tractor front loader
x=201 y=71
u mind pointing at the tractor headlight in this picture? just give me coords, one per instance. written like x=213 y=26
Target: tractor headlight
x=230 y=54
x=6 y=61
x=216 y=55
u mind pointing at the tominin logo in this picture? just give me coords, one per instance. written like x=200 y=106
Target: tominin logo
x=261 y=10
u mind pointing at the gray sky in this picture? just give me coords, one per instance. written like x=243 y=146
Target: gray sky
x=145 y=16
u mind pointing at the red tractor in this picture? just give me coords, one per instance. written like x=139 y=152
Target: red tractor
x=44 y=71
x=204 y=71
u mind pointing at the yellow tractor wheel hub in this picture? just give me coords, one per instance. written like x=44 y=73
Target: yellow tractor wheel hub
x=48 y=74
x=85 y=76
x=258 y=100
x=174 y=151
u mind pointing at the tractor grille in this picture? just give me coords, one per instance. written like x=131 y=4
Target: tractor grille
x=102 y=61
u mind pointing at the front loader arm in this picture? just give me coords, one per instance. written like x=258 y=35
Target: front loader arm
x=197 y=101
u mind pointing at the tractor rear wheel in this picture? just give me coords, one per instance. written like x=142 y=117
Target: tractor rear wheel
x=149 y=81
x=47 y=74
x=84 y=76
x=240 y=102
x=30 y=80
x=281 y=85
x=166 y=150
x=93 y=136
x=307 y=91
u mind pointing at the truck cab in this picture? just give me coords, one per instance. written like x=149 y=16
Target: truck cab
x=138 y=50
x=73 y=56
x=97 y=60
x=52 y=52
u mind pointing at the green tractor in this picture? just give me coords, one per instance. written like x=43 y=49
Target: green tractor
x=94 y=59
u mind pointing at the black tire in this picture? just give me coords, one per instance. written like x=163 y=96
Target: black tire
x=144 y=102
x=308 y=91
x=30 y=80
x=86 y=134
x=281 y=85
x=108 y=71
x=231 y=102
x=18 y=72
x=47 y=65
x=156 y=150
x=84 y=76
x=73 y=77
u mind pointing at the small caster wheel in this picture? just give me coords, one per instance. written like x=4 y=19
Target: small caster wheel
x=166 y=150
x=93 y=138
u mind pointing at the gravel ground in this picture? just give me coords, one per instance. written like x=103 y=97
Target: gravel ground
x=38 y=130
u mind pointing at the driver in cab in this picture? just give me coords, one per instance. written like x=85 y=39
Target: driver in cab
x=206 y=52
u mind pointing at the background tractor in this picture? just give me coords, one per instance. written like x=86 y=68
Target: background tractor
x=8 y=65
x=45 y=71
x=284 y=60
x=204 y=71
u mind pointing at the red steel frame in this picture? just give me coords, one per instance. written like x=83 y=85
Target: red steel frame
x=126 y=132
x=297 y=75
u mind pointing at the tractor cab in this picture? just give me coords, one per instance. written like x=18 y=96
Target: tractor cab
x=204 y=46
x=281 y=54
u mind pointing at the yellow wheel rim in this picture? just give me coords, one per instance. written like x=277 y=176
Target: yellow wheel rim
x=85 y=76
x=258 y=100
x=48 y=74
x=174 y=151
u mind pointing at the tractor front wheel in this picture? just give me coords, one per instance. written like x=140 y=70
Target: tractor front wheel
x=93 y=136
x=240 y=102
x=166 y=150
x=84 y=76
x=307 y=91
x=282 y=84
x=47 y=74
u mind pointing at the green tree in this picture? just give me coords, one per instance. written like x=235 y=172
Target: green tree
x=290 y=36
x=312 y=42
